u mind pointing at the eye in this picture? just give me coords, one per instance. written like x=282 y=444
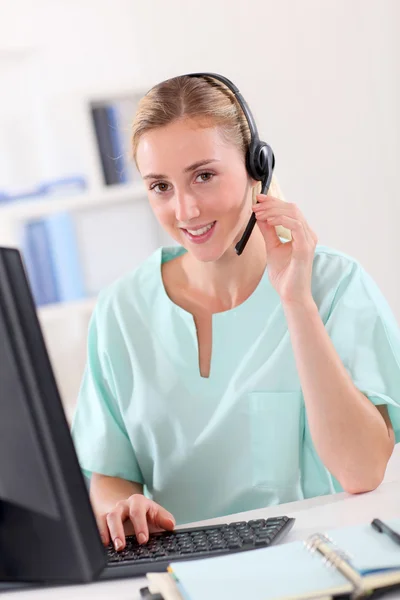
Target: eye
x=155 y=185
x=162 y=191
x=205 y=173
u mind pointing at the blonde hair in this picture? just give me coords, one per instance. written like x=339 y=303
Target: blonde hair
x=207 y=101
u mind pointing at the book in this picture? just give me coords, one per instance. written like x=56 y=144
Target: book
x=361 y=561
x=117 y=146
x=65 y=257
x=31 y=263
x=38 y=262
x=106 y=141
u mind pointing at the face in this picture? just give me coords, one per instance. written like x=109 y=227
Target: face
x=205 y=208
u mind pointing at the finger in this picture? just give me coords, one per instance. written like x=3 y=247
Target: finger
x=292 y=211
x=307 y=231
x=265 y=220
x=103 y=529
x=296 y=227
x=278 y=207
x=160 y=517
x=266 y=210
x=267 y=198
x=138 y=506
x=115 y=519
x=310 y=233
x=270 y=234
x=274 y=211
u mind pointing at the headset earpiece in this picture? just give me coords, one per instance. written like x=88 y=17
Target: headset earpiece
x=259 y=160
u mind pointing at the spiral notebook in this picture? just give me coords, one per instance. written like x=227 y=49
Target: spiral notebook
x=351 y=560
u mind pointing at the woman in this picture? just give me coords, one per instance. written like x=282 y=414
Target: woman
x=218 y=383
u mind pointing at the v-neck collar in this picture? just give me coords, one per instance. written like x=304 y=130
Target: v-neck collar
x=167 y=253
x=235 y=332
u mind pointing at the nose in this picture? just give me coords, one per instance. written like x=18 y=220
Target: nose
x=186 y=207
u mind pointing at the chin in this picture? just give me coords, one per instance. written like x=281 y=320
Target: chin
x=209 y=252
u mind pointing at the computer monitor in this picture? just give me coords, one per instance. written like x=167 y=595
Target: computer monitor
x=48 y=532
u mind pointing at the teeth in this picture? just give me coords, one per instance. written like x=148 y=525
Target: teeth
x=201 y=231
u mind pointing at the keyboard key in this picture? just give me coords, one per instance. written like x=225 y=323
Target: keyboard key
x=248 y=532
x=217 y=545
x=264 y=533
x=257 y=523
x=186 y=547
x=201 y=547
x=277 y=520
x=261 y=542
x=113 y=558
x=242 y=527
x=234 y=544
x=248 y=539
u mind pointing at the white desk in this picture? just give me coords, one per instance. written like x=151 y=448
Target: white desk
x=316 y=514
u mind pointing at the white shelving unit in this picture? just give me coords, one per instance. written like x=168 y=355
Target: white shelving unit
x=55 y=312
x=13 y=215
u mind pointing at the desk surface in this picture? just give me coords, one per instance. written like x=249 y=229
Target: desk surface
x=316 y=514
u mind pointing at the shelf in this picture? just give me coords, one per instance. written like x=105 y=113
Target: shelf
x=63 y=310
x=40 y=207
x=16 y=52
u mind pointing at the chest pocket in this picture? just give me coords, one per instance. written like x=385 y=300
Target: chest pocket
x=275 y=433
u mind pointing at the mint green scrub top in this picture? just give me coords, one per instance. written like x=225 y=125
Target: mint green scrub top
x=238 y=440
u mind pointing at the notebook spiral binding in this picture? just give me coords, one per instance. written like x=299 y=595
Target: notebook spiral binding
x=314 y=541
x=337 y=558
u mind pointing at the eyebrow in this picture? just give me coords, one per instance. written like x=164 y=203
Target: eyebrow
x=192 y=167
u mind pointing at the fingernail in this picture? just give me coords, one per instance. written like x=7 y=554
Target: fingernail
x=117 y=544
x=142 y=538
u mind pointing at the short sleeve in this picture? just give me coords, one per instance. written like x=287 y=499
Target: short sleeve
x=98 y=429
x=366 y=336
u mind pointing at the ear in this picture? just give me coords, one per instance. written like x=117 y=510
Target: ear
x=256 y=189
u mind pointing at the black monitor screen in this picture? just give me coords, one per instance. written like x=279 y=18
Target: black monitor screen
x=21 y=450
x=48 y=531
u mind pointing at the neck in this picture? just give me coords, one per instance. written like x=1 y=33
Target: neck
x=229 y=281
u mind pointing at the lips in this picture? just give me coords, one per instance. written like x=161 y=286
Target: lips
x=199 y=235
x=200 y=230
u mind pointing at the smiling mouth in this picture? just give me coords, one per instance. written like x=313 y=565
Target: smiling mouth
x=202 y=234
x=201 y=230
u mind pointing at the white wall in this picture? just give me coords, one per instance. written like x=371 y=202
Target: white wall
x=322 y=78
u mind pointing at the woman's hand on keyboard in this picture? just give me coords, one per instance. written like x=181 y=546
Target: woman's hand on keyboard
x=145 y=515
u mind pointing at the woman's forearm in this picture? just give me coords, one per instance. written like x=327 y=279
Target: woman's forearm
x=349 y=433
x=106 y=491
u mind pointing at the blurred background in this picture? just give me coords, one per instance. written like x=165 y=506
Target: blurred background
x=322 y=78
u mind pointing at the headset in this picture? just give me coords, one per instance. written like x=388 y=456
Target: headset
x=260 y=160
